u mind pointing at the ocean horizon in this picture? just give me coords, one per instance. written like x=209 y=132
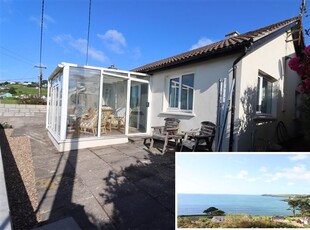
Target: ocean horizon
x=195 y=204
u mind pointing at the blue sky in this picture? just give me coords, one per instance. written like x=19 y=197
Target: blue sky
x=243 y=173
x=126 y=33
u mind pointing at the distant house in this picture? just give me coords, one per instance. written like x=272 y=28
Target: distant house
x=305 y=220
x=279 y=219
x=242 y=84
x=218 y=219
x=194 y=219
x=5 y=95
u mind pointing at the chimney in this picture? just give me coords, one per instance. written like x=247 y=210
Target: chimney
x=232 y=34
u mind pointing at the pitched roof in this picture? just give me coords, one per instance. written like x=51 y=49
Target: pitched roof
x=226 y=46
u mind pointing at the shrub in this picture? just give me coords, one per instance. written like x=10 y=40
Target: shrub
x=5 y=125
x=12 y=90
x=212 y=211
x=32 y=100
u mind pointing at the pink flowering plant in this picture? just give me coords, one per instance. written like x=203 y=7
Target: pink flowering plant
x=301 y=65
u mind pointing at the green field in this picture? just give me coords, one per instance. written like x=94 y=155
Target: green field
x=25 y=90
x=20 y=90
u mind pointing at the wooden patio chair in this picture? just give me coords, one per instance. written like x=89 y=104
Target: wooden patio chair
x=202 y=139
x=166 y=132
x=89 y=122
x=105 y=119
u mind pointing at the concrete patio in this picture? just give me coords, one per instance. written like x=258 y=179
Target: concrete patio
x=115 y=187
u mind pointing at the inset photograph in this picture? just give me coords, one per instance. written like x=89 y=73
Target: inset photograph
x=242 y=190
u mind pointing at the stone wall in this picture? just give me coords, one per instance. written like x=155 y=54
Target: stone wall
x=15 y=110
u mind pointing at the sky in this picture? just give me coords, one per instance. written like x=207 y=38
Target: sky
x=243 y=173
x=124 y=33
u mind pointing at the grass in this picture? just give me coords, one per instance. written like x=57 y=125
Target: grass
x=25 y=90
x=233 y=221
x=20 y=90
x=9 y=100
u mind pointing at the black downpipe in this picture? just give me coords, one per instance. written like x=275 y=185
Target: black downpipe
x=233 y=100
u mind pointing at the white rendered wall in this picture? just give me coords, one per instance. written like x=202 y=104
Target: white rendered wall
x=269 y=58
x=206 y=77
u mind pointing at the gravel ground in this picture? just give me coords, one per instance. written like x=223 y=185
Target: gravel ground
x=20 y=179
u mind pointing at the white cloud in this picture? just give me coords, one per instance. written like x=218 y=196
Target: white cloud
x=46 y=19
x=114 y=40
x=298 y=157
x=80 y=45
x=62 y=38
x=241 y=175
x=136 y=53
x=202 y=42
x=253 y=179
x=298 y=172
x=290 y=184
x=263 y=169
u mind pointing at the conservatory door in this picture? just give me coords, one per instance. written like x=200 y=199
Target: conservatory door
x=138 y=107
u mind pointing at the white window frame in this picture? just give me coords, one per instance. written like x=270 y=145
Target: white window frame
x=271 y=80
x=179 y=102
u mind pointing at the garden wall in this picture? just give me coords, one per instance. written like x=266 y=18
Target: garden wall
x=15 y=110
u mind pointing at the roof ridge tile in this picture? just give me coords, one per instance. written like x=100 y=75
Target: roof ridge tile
x=216 y=47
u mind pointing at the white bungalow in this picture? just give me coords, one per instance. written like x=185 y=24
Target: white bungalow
x=244 y=78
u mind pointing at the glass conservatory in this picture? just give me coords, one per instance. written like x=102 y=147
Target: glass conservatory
x=90 y=106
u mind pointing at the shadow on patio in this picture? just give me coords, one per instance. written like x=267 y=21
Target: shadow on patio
x=21 y=207
x=141 y=196
x=113 y=187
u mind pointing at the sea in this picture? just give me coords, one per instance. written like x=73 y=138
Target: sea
x=193 y=204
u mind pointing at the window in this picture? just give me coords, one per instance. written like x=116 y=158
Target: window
x=181 y=90
x=264 y=96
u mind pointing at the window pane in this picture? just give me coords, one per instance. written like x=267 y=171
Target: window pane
x=187 y=92
x=258 y=108
x=83 y=102
x=174 y=86
x=264 y=96
x=114 y=100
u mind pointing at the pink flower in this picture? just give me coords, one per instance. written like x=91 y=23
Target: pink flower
x=301 y=89
x=307 y=51
x=307 y=83
x=301 y=70
x=294 y=63
x=305 y=87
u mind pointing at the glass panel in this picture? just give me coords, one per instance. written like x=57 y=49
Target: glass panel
x=114 y=100
x=258 y=107
x=138 y=107
x=83 y=102
x=187 y=92
x=174 y=86
x=49 y=121
x=59 y=105
x=266 y=96
x=54 y=115
x=139 y=77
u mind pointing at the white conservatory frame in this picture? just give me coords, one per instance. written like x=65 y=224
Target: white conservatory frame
x=57 y=107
